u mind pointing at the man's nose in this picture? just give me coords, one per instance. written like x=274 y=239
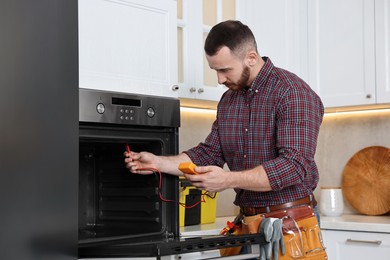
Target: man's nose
x=221 y=78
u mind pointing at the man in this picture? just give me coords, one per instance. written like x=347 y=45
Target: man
x=266 y=130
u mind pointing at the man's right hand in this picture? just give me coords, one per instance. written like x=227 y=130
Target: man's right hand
x=141 y=163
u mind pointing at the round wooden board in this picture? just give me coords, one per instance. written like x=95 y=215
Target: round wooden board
x=366 y=181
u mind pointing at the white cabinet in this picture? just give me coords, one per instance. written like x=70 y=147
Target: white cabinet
x=279 y=29
x=128 y=46
x=349 y=51
x=342 y=51
x=382 y=34
x=341 y=245
x=197 y=82
x=341 y=48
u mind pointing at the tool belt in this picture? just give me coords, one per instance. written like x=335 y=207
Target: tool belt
x=301 y=232
x=309 y=200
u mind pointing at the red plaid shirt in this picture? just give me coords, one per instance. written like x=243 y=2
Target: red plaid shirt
x=275 y=124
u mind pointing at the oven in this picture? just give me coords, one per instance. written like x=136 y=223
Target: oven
x=121 y=214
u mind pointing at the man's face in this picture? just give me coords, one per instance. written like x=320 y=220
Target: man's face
x=231 y=70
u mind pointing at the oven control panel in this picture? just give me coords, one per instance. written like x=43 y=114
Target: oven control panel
x=98 y=106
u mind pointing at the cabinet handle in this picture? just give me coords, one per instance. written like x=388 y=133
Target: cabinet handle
x=201 y=90
x=192 y=90
x=377 y=242
x=368 y=96
x=175 y=87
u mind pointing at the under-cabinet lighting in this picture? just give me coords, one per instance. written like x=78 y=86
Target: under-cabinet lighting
x=359 y=112
x=198 y=110
x=333 y=113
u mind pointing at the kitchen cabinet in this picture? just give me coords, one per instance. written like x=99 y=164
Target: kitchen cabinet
x=279 y=28
x=356 y=236
x=128 y=46
x=382 y=45
x=349 y=51
x=197 y=82
x=342 y=245
x=341 y=48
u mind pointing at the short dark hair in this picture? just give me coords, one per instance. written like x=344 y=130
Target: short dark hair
x=233 y=34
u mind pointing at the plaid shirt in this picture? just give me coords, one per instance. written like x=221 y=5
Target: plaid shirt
x=275 y=123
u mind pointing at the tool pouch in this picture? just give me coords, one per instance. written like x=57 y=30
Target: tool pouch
x=301 y=233
x=232 y=250
x=303 y=239
x=237 y=230
x=249 y=225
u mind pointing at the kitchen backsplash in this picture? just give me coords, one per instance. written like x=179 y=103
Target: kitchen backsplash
x=341 y=136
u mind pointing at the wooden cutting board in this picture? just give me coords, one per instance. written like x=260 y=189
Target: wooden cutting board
x=366 y=181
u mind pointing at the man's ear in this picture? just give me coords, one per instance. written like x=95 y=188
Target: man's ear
x=252 y=58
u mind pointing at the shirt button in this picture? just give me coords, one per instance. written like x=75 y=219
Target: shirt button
x=256 y=91
x=246 y=129
x=244 y=155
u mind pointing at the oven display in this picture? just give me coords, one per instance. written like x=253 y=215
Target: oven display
x=126 y=102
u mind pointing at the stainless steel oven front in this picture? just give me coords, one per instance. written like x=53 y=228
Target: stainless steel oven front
x=114 y=204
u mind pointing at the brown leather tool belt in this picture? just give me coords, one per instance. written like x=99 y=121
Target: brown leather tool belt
x=251 y=211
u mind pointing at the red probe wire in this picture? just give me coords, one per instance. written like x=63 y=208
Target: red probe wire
x=156 y=171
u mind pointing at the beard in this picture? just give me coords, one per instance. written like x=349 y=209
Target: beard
x=242 y=82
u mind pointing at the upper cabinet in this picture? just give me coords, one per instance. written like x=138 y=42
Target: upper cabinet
x=382 y=45
x=197 y=82
x=342 y=51
x=128 y=46
x=341 y=48
x=349 y=51
x=279 y=29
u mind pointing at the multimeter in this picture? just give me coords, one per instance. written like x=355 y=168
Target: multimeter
x=187 y=167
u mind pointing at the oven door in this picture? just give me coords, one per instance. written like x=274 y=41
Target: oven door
x=116 y=206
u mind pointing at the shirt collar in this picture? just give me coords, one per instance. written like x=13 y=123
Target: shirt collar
x=261 y=78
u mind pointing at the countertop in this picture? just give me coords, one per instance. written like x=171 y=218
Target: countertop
x=361 y=223
x=380 y=224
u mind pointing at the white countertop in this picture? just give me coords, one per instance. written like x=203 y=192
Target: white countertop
x=363 y=223
x=345 y=222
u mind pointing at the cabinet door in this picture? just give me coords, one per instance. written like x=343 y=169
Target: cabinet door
x=341 y=245
x=128 y=46
x=195 y=19
x=382 y=37
x=280 y=28
x=342 y=51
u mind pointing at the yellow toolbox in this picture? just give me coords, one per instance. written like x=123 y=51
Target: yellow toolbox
x=196 y=211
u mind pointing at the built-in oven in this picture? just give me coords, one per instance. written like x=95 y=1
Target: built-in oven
x=122 y=214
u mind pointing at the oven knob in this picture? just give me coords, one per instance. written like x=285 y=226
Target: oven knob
x=150 y=112
x=100 y=108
